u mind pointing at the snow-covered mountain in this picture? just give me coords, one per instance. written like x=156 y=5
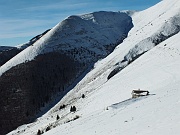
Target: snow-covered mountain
x=8 y=52
x=147 y=59
x=31 y=41
x=93 y=35
x=46 y=70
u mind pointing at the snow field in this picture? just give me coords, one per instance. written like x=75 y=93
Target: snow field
x=107 y=108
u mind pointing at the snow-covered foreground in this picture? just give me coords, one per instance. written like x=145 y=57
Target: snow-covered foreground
x=156 y=71
x=107 y=107
x=103 y=112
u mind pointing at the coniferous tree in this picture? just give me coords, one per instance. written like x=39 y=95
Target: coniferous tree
x=83 y=96
x=71 y=109
x=48 y=128
x=74 y=108
x=57 y=118
x=39 y=132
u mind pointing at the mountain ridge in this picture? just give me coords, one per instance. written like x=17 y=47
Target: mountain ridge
x=148 y=58
x=153 y=51
x=46 y=69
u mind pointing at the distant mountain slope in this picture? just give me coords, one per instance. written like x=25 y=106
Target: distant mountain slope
x=98 y=33
x=6 y=53
x=31 y=41
x=147 y=59
x=44 y=72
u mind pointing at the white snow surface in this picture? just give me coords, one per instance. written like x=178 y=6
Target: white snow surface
x=90 y=31
x=23 y=46
x=107 y=107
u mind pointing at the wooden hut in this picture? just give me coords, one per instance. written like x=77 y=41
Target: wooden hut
x=139 y=93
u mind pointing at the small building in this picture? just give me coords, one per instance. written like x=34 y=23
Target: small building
x=139 y=93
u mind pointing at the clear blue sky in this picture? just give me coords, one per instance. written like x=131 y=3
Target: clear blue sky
x=20 y=20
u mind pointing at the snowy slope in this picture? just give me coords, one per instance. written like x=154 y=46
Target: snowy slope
x=55 y=63
x=93 y=32
x=31 y=41
x=156 y=71
x=8 y=52
x=107 y=107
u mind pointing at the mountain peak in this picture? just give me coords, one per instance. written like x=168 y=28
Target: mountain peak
x=92 y=63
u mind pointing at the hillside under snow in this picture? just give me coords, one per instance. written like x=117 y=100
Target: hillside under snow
x=93 y=35
x=109 y=108
x=52 y=63
x=148 y=59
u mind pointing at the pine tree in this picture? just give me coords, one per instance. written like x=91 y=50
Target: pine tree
x=83 y=96
x=39 y=132
x=57 y=118
x=48 y=128
x=74 y=108
x=71 y=109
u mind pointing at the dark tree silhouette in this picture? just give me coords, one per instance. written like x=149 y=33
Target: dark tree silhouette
x=83 y=96
x=39 y=132
x=72 y=109
x=57 y=118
